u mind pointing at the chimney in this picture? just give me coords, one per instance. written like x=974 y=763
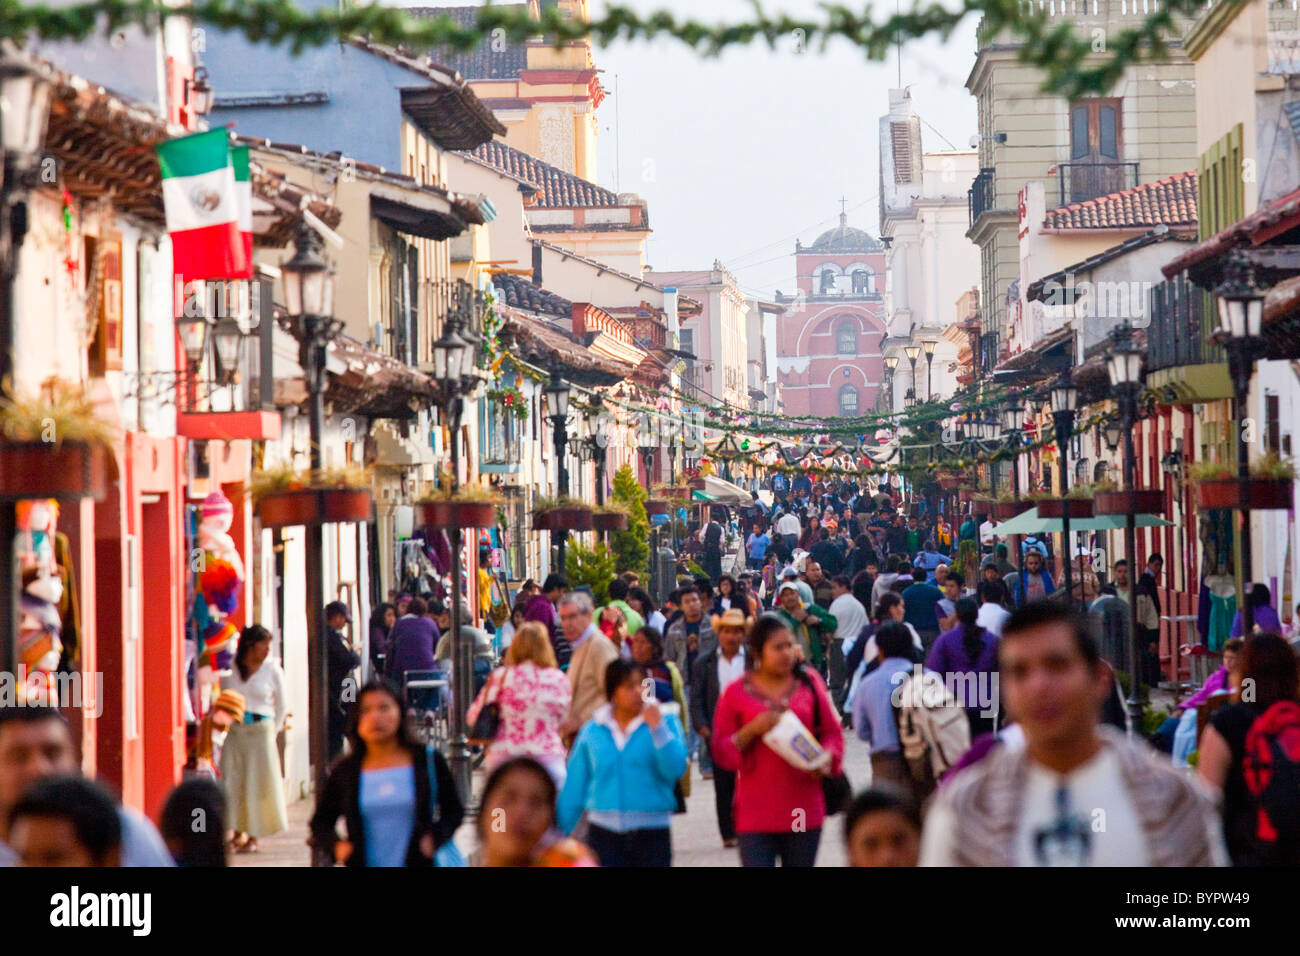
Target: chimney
x=537 y=264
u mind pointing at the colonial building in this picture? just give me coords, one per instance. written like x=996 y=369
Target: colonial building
x=718 y=337
x=829 y=337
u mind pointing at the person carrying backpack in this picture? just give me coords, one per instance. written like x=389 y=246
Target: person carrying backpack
x=1251 y=753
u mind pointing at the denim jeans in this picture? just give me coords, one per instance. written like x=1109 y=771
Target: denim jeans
x=653 y=847
x=794 y=849
x=697 y=746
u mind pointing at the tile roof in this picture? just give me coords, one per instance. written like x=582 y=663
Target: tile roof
x=1171 y=201
x=557 y=188
x=523 y=294
x=484 y=62
x=1268 y=222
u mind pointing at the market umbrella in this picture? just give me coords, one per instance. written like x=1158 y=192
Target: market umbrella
x=1030 y=523
x=723 y=492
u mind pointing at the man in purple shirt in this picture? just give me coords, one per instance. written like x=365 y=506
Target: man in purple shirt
x=414 y=637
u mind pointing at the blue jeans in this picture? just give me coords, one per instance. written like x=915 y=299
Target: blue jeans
x=794 y=849
x=696 y=745
x=653 y=847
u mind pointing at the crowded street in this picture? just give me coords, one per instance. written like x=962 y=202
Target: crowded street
x=468 y=434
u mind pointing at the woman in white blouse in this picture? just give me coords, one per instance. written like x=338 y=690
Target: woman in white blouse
x=250 y=763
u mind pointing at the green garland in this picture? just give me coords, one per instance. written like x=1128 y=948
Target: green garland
x=1069 y=58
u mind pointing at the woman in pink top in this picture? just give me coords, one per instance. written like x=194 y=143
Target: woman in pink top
x=779 y=809
x=533 y=696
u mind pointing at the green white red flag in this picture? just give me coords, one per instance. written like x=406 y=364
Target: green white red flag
x=244 y=202
x=199 y=194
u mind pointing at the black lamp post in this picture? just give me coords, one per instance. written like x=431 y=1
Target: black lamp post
x=929 y=345
x=891 y=363
x=1125 y=367
x=1241 y=313
x=1065 y=400
x=1013 y=422
x=454 y=357
x=557 y=409
x=309 y=300
x=913 y=352
x=194 y=329
x=228 y=341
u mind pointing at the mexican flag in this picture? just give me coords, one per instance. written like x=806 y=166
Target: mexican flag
x=198 y=181
x=244 y=202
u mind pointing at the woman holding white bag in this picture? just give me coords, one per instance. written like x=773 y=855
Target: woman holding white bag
x=779 y=807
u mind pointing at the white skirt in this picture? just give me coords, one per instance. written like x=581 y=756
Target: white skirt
x=250 y=769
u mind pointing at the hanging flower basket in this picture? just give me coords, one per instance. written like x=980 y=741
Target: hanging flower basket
x=949 y=483
x=1261 y=494
x=656 y=506
x=697 y=484
x=966 y=495
x=1059 y=507
x=456 y=514
x=609 y=521
x=1006 y=510
x=982 y=503
x=65 y=470
x=284 y=509
x=563 y=519
x=1147 y=502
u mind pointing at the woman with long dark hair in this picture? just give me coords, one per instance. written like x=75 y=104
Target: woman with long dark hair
x=771 y=793
x=811 y=534
x=967 y=658
x=516 y=820
x=1268 y=667
x=383 y=789
x=382 y=620
x=726 y=596
x=250 y=762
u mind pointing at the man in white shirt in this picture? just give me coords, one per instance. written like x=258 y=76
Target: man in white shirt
x=788 y=527
x=850 y=618
x=992 y=615
x=35 y=743
x=1077 y=794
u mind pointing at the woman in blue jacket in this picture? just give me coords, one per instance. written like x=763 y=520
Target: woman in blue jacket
x=622 y=771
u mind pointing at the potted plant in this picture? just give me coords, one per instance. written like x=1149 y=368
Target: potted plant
x=469 y=506
x=611 y=516
x=1076 y=504
x=283 y=497
x=656 y=506
x=1007 y=507
x=1271 y=484
x=949 y=482
x=1109 y=500
x=561 y=514
x=52 y=446
x=673 y=492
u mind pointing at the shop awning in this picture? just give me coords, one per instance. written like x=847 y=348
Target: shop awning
x=1031 y=523
x=723 y=492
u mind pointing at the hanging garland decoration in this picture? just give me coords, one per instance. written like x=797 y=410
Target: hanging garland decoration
x=1072 y=65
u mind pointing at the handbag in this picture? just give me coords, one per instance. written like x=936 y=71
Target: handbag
x=836 y=789
x=499 y=612
x=448 y=854
x=485 y=727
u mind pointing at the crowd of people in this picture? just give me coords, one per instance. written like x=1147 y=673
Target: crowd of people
x=989 y=702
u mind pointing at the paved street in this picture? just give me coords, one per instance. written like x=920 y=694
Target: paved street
x=695 y=833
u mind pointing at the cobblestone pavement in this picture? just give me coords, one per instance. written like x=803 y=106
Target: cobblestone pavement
x=695 y=833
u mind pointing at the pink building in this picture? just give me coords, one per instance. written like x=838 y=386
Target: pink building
x=829 y=338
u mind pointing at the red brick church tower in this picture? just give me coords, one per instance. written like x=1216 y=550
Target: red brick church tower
x=829 y=336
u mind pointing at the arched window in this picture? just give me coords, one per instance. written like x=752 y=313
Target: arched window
x=862 y=281
x=827 y=280
x=848 y=400
x=846 y=338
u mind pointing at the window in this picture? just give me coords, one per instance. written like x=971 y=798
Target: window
x=1096 y=135
x=846 y=338
x=848 y=400
x=1273 y=424
x=862 y=281
x=827 y=280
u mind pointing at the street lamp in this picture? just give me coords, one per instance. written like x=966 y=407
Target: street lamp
x=913 y=352
x=308 y=285
x=1125 y=367
x=25 y=94
x=556 y=394
x=891 y=363
x=228 y=338
x=1065 y=400
x=1241 y=313
x=929 y=345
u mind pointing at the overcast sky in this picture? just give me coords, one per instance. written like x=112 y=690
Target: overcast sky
x=740 y=155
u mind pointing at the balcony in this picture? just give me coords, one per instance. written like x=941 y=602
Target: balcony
x=1082 y=181
x=980 y=197
x=1182 y=366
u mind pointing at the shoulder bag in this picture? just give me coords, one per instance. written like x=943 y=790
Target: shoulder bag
x=836 y=789
x=447 y=855
x=488 y=723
